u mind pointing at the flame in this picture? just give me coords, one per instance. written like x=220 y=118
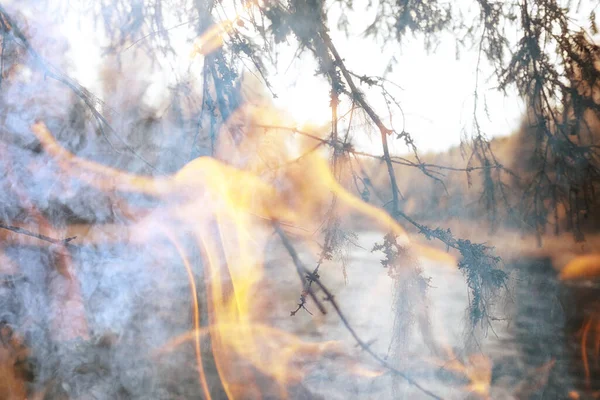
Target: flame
x=586 y=267
x=477 y=369
x=441 y=257
x=582 y=267
x=227 y=210
x=211 y=40
x=590 y=340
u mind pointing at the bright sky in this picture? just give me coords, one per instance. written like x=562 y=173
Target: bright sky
x=436 y=95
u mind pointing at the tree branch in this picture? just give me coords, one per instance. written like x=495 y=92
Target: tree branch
x=302 y=270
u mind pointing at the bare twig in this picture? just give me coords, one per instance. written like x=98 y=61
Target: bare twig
x=303 y=271
x=45 y=238
x=160 y=31
x=304 y=278
x=359 y=97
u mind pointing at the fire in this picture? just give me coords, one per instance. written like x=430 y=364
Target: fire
x=585 y=336
x=590 y=343
x=477 y=369
x=582 y=267
x=225 y=209
x=211 y=40
x=228 y=211
x=586 y=267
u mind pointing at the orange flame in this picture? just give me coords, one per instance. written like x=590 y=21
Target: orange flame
x=582 y=267
x=212 y=39
x=477 y=369
x=226 y=210
x=590 y=340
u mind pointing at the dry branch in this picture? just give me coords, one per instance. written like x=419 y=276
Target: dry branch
x=303 y=271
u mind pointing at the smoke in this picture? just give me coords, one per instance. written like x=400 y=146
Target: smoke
x=134 y=297
x=121 y=282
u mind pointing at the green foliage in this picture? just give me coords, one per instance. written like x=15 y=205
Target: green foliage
x=391 y=249
x=482 y=274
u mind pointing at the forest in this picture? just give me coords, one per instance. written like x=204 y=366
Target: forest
x=236 y=199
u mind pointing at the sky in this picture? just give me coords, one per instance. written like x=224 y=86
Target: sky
x=435 y=90
x=436 y=95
